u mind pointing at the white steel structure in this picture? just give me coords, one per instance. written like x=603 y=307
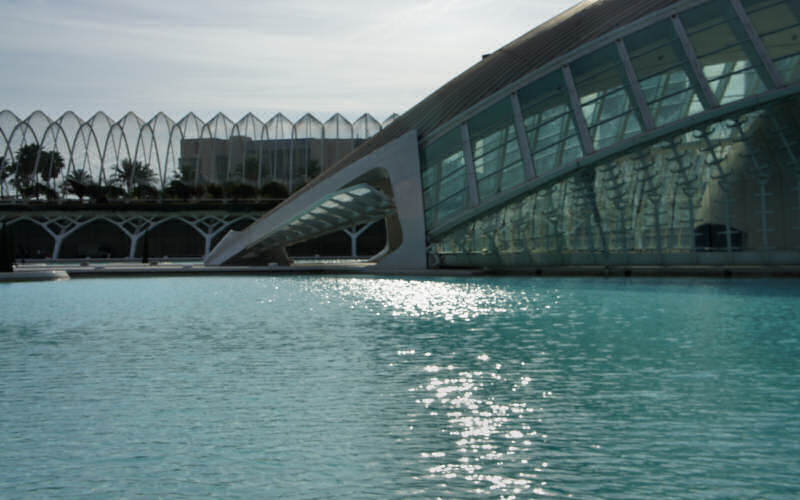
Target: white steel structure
x=620 y=132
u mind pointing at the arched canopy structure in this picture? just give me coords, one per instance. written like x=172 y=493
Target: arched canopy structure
x=191 y=151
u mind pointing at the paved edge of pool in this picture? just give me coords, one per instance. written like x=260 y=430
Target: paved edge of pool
x=34 y=275
x=55 y=271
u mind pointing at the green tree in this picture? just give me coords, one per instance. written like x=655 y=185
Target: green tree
x=130 y=174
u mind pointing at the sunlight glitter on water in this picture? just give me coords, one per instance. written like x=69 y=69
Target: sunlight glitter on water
x=312 y=387
x=485 y=433
x=450 y=301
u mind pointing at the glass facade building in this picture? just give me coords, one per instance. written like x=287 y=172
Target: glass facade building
x=673 y=141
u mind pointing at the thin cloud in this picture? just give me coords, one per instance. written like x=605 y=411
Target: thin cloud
x=351 y=56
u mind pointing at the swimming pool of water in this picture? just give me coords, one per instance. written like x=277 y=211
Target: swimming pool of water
x=354 y=387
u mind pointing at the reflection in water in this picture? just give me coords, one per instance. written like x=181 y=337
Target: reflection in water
x=312 y=387
x=553 y=387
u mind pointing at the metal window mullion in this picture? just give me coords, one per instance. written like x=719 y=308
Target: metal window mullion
x=758 y=45
x=536 y=132
x=621 y=132
x=705 y=94
x=522 y=138
x=659 y=103
x=664 y=96
x=633 y=84
x=503 y=153
x=469 y=166
x=583 y=130
x=599 y=108
x=563 y=143
x=437 y=184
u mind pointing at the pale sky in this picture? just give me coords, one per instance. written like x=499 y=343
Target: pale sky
x=239 y=56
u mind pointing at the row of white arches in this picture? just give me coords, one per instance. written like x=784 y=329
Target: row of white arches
x=98 y=144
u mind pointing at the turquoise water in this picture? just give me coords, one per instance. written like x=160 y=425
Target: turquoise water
x=352 y=387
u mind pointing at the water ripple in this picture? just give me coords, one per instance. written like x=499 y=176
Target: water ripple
x=352 y=387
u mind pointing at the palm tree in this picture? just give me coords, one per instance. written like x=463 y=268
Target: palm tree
x=78 y=182
x=130 y=174
x=32 y=163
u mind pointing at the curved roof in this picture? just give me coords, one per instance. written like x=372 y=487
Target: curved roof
x=571 y=29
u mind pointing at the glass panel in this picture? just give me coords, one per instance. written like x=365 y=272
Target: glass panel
x=687 y=200
x=512 y=176
x=550 y=132
x=605 y=99
x=493 y=138
x=488 y=186
x=728 y=59
x=451 y=185
x=663 y=72
x=549 y=124
x=450 y=206
x=443 y=176
x=778 y=25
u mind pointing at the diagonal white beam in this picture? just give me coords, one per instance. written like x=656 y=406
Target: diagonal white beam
x=469 y=162
x=705 y=94
x=758 y=44
x=577 y=112
x=522 y=138
x=633 y=84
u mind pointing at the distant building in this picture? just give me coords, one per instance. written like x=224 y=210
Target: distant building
x=291 y=162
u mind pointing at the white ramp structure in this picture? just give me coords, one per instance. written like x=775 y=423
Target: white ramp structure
x=364 y=192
